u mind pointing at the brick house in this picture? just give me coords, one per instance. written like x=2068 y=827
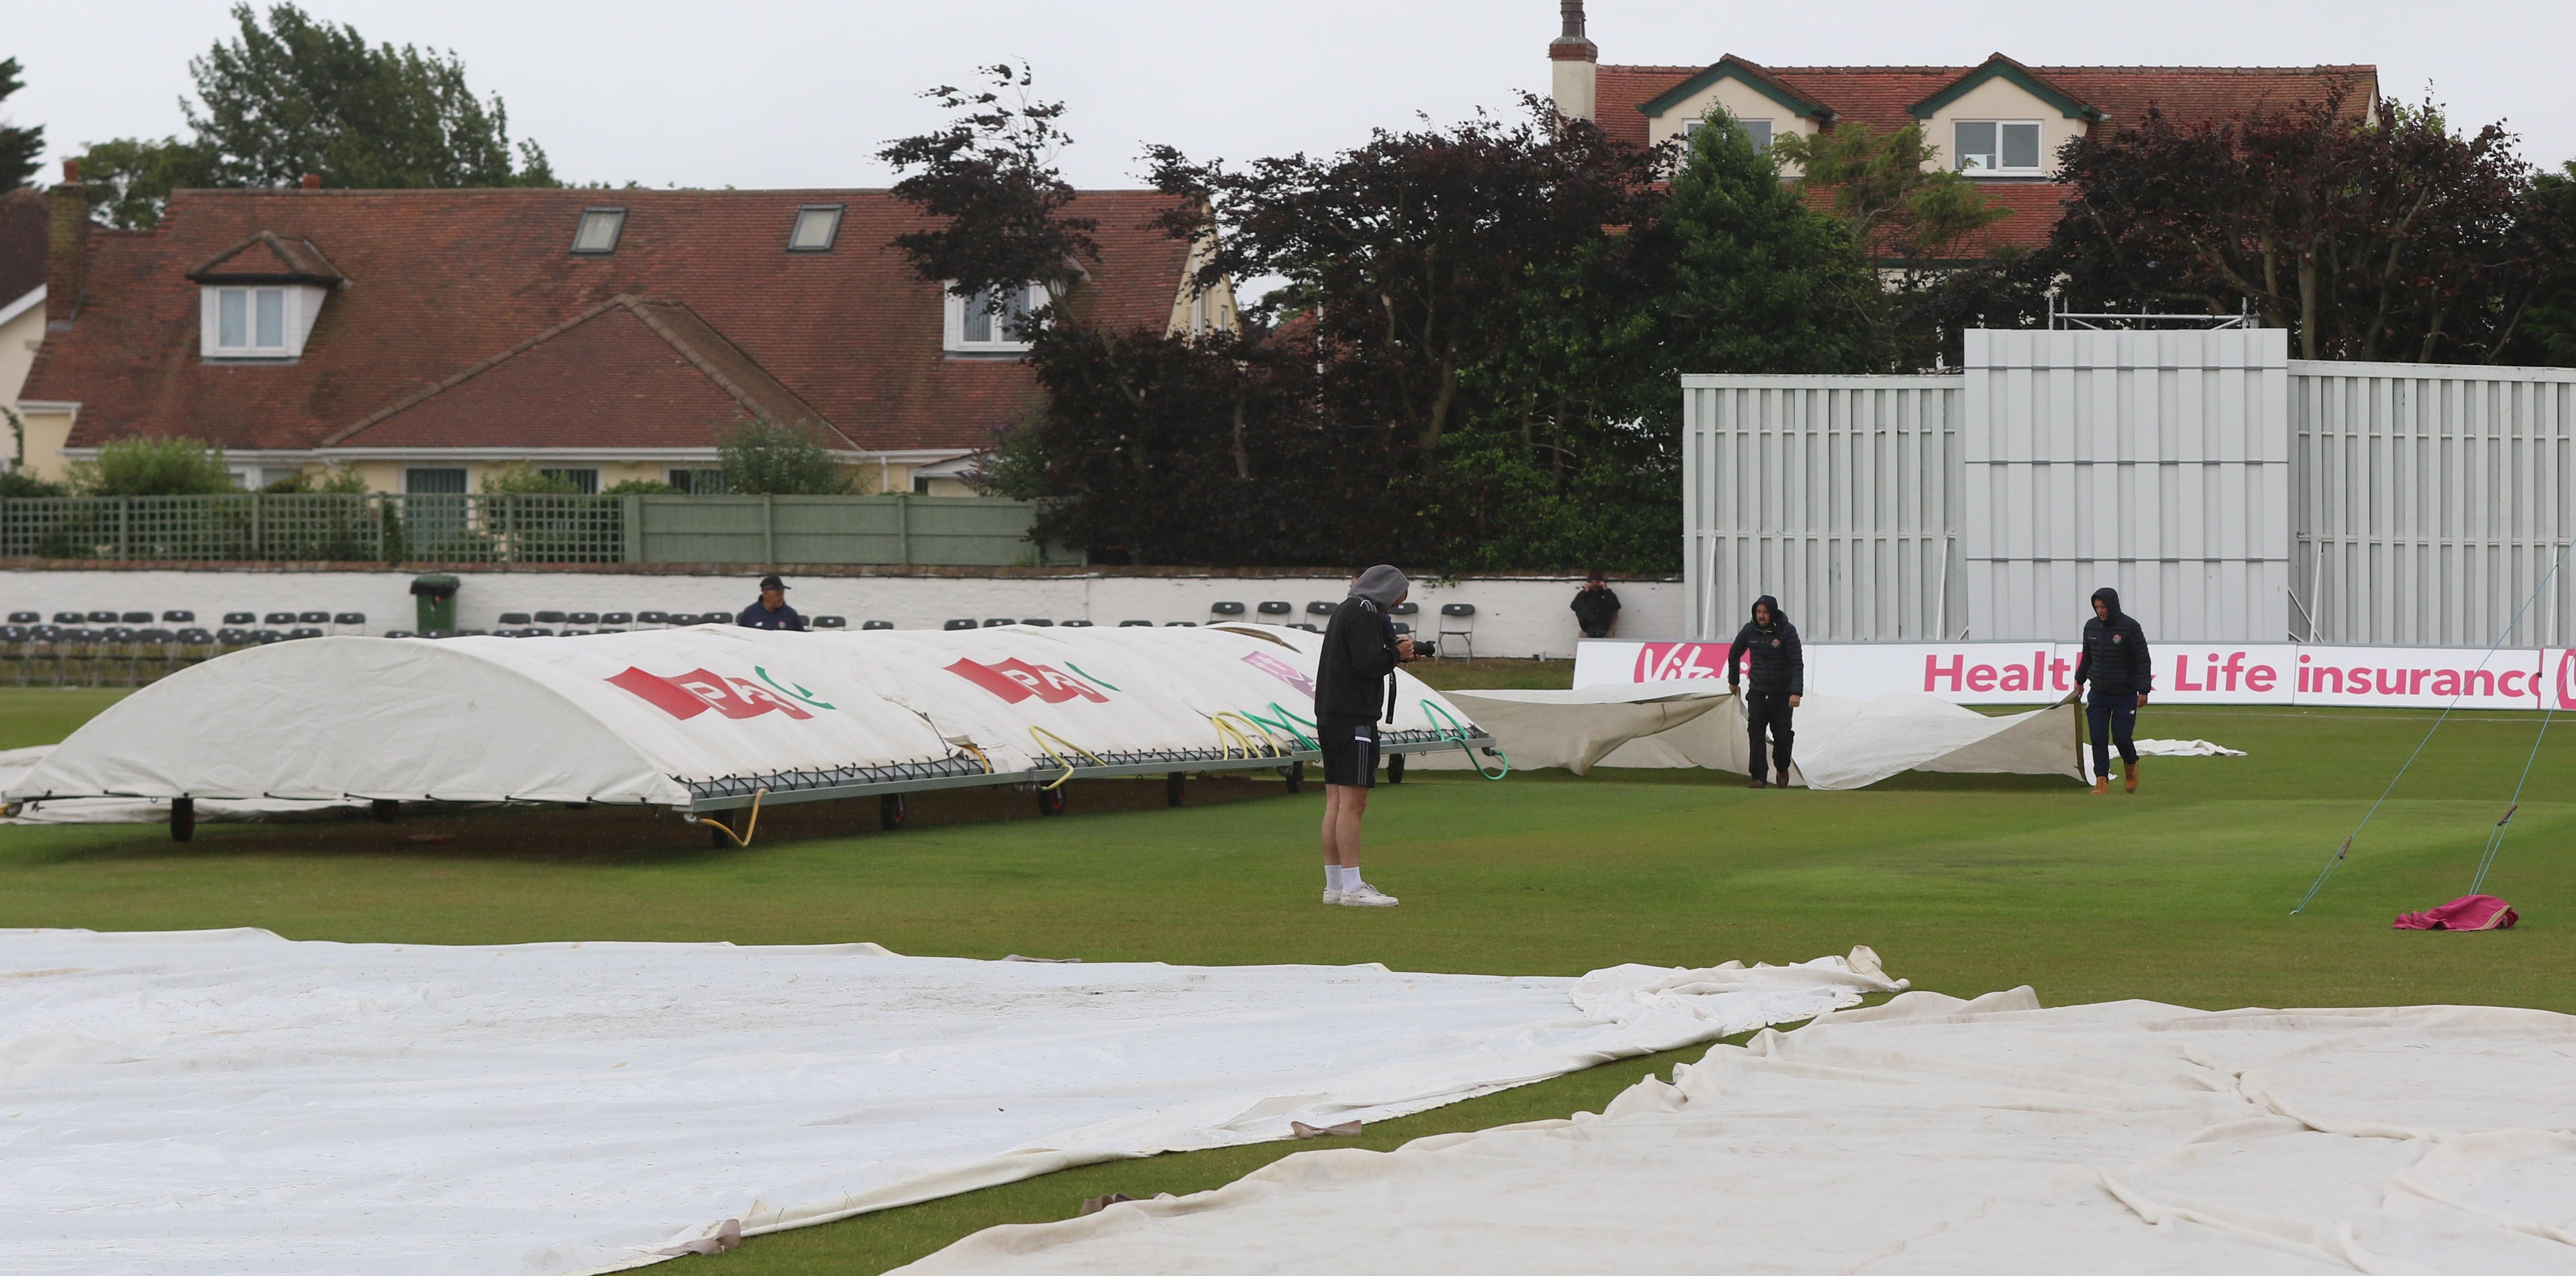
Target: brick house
x=1999 y=122
x=430 y=337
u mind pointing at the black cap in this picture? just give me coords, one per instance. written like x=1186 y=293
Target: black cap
x=772 y=582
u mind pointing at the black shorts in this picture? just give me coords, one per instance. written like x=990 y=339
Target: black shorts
x=1350 y=753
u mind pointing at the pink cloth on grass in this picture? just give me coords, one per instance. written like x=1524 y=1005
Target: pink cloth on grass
x=2468 y=912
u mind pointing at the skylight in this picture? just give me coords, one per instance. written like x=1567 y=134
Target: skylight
x=816 y=225
x=599 y=230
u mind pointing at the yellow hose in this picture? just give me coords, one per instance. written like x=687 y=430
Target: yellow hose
x=751 y=826
x=1269 y=743
x=1042 y=735
x=979 y=756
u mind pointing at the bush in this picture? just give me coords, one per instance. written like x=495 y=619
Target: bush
x=640 y=487
x=150 y=466
x=764 y=459
x=527 y=480
x=21 y=483
x=339 y=480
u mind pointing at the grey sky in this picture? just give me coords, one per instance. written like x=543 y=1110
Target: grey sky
x=756 y=93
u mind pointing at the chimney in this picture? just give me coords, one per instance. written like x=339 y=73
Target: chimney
x=66 y=246
x=313 y=181
x=1573 y=58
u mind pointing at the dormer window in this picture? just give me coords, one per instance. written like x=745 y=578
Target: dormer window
x=597 y=234
x=994 y=321
x=259 y=299
x=816 y=226
x=2001 y=148
x=250 y=321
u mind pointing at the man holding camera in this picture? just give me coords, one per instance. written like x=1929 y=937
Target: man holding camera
x=1354 y=684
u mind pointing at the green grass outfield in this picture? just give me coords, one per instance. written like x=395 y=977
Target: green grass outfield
x=1963 y=884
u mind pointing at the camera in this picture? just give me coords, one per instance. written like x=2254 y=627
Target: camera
x=1425 y=649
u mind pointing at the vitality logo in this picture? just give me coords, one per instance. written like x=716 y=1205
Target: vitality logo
x=686 y=695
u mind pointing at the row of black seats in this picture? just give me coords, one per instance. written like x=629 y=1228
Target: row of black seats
x=140 y=618
x=112 y=633
x=620 y=619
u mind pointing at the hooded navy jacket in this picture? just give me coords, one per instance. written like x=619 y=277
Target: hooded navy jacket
x=1779 y=667
x=1354 y=671
x=2115 y=652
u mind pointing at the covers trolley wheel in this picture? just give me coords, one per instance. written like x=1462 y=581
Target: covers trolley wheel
x=890 y=812
x=1395 y=768
x=1296 y=773
x=1051 y=801
x=1176 y=789
x=183 y=819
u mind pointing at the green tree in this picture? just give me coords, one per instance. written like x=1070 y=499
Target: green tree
x=988 y=180
x=1899 y=205
x=20 y=144
x=764 y=459
x=1759 y=281
x=339 y=480
x=304 y=96
x=2546 y=333
x=147 y=465
x=639 y=487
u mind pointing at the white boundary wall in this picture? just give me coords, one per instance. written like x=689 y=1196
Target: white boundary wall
x=1515 y=617
x=2186 y=672
x=2232 y=495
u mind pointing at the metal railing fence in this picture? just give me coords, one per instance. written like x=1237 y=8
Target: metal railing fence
x=512 y=528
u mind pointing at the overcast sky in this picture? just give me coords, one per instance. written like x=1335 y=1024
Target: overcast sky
x=755 y=93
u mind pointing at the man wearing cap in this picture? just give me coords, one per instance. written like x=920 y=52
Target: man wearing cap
x=772 y=611
x=1596 y=608
x=1354 y=681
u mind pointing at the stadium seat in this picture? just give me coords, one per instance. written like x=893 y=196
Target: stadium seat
x=400 y=633
x=551 y=618
x=313 y=618
x=1077 y=624
x=612 y=629
x=1135 y=624
x=997 y=622
x=135 y=618
x=26 y=617
x=69 y=617
x=652 y=618
x=876 y=624
x=471 y=633
x=1180 y=624
x=178 y=618
x=1321 y=608
x=1225 y=609
x=514 y=619
x=307 y=631
x=118 y=633
x=1277 y=608
x=155 y=635
x=831 y=622
x=1405 y=609
x=1403 y=630
x=617 y=618
x=195 y=637
x=959 y=624
x=266 y=635
x=348 y=618
x=13 y=633
x=1041 y=624
x=102 y=617
x=1458 y=631
x=274 y=618
x=579 y=618
x=1307 y=627
x=240 y=618
x=231 y=637
x=687 y=618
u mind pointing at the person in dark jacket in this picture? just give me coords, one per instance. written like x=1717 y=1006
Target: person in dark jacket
x=1354 y=684
x=1779 y=674
x=1596 y=608
x=772 y=611
x=2116 y=664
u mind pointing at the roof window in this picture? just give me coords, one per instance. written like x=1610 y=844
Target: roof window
x=816 y=226
x=599 y=230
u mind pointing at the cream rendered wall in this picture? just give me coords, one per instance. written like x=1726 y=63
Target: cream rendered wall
x=47 y=431
x=18 y=341
x=2000 y=99
x=1740 y=99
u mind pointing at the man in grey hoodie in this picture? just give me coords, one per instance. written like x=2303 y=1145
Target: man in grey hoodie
x=1354 y=678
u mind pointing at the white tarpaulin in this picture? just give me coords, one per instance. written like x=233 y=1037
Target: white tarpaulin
x=2184 y=749
x=641 y=717
x=1841 y=743
x=214 y=1102
x=1931 y=1135
x=16 y=763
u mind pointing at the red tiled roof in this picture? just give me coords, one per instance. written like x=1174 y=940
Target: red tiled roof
x=22 y=243
x=440 y=281
x=634 y=372
x=1881 y=96
x=268 y=257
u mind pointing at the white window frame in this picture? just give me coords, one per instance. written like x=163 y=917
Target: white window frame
x=1959 y=154
x=953 y=323
x=466 y=479
x=831 y=227
x=1761 y=143
x=213 y=345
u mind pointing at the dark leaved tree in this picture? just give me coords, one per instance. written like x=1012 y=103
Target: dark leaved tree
x=300 y=96
x=20 y=144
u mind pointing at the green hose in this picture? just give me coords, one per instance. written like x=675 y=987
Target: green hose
x=1465 y=741
x=1283 y=723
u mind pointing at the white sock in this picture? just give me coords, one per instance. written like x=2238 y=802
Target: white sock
x=1333 y=877
x=1351 y=879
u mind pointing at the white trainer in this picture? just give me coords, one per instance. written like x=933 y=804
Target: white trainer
x=1332 y=896
x=1368 y=896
